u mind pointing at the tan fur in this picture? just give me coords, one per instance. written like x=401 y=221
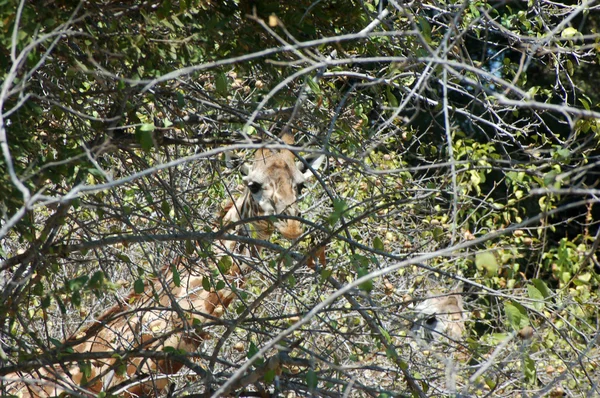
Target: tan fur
x=439 y=317
x=152 y=320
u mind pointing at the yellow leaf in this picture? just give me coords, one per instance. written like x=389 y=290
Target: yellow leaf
x=569 y=32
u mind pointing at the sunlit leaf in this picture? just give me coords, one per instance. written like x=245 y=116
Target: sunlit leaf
x=569 y=32
x=225 y=263
x=378 y=244
x=487 y=261
x=425 y=28
x=530 y=372
x=541 y=286
x=516 y=315
x=537 y=296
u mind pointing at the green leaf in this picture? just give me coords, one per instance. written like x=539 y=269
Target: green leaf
x=270 y=376
x=516 y=315
x=165 y=207
x=584 y=278
x=425 y=28
x=86 y=368
x=176 y=21
x=144 y=136
x=206 y=284
x=46 y=301
x=569 y=32
x=190 y=247
x=176 y=275
x=365 y=286
x=497 y=338
x=391 y=97
x=180 y=100
x=314 y=86
x=75 y=285
x=291 y=280
x=311 y=379
x=378 y=244
x=97 y=280
x=438 y=233
x=585 y=104
x=570 y=67
x=287 y=261
x=121 y=368
x=385 y=334
x=487 y=261
x=221 y=84
x=138 y=286
x=563 y=154
x=536 y=295
x=339 y=207
x=38 y=289
x=149 y=127
x=225 y=264
x=252 y=351
x=76 y=299
x=123 y=257
x=164 y=10
x=391 y=353
x=325 y=274
x=550 y=177
x=474 y=11
x=403 y=365
x=542 y=287
x=56 y=343
x=220 y=285
x=360 y=260
x=529 y=368
x=95 y=172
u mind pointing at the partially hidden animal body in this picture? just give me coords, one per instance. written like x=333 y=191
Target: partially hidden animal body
x=131 y=338
x=441 y=317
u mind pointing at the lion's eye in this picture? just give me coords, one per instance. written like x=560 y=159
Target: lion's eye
x=254 y=187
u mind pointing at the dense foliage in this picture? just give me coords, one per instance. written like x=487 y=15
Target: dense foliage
x=463 y=146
